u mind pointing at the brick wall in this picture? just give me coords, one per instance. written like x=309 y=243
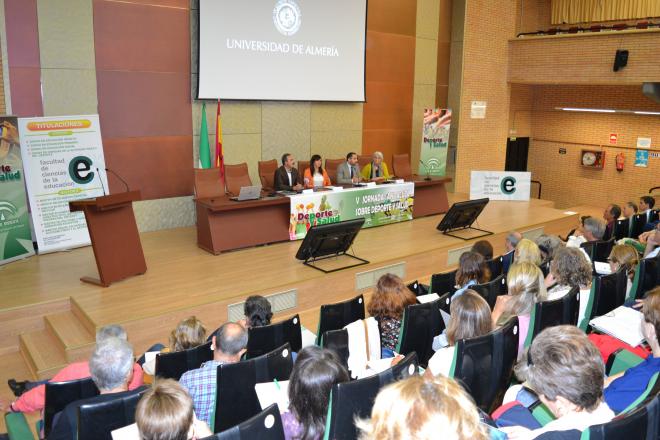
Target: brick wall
x=585 y=58
x=564 y=180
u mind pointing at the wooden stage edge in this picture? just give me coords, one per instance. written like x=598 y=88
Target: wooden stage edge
x=51 y=317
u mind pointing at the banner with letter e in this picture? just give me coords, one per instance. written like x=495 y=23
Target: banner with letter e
x=435 y=140
x=15 y=233
x=63 y=161
x=500 y=185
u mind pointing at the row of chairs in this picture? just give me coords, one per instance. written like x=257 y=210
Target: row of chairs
x=632 y=228
x=645 y=24
x=208 y=184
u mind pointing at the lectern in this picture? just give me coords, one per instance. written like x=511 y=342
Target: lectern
x=114 y=234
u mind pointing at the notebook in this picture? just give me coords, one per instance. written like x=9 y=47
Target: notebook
x=602 y=268
x=624 y=323
x=273 y=392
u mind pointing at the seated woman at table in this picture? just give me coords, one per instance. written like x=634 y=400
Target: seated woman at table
x=376 y=171
x=315 y=176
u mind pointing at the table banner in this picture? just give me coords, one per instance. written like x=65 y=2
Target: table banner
x=380 y=205
x=15 y=234
x=63 y=161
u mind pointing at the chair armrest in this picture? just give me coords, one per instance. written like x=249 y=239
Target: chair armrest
x=620 y=360
x=17 y=426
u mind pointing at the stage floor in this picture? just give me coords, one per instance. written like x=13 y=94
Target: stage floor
x=51 y=316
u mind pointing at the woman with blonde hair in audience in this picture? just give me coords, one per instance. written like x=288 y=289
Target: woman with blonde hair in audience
x=472 y=269
x=423 y=409
x=526 y=288
x=527 y=251
x=189 y=333
x=390 y=298
x=570 y=268
x=626 y=257
x=470 y=318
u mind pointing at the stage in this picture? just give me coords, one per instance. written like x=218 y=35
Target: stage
x=50 y=317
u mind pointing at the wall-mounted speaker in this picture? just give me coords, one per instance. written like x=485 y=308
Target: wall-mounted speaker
x=620 y=60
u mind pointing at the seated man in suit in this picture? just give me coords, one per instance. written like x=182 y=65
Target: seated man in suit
x=349 y=171
x=111 y=367
x=287 y=177
x=610 y=215
x=376 y=170
x=646 y=204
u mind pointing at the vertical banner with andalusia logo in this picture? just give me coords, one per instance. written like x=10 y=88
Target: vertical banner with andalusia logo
x=15 y=234
x=380 y=205
x=435 y=140
x=63 y=161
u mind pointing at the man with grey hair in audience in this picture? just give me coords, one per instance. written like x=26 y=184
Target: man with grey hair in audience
x=592 y=229
x=32 y=395
x=511 y=241
x=229 y=343
x=111 y=367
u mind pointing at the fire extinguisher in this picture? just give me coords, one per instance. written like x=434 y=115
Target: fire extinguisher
x=620 y=160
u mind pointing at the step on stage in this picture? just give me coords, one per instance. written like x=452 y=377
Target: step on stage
x=51 y=317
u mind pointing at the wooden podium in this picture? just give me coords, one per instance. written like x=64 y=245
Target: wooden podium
x=115 y=237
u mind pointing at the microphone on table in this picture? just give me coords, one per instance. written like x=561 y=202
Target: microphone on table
x=119 y=177
x=100 y=179
x=428 y=172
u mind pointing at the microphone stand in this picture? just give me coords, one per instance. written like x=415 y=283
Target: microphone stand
x=428 y=172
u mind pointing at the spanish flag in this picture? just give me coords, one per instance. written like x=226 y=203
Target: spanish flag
x=219 y=155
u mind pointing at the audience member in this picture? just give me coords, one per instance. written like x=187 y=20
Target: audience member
x=570 y=269
x=188 y=333
x=548 y=245
x=287 y=177
x=423 y=409
x=610 y=215
x=484 y=248
x=165 y=412
x=111 y=368
x=647 y=243
x=592 y=229
x=315 y=176
x=34 y=399
x=257 y=312
x=376 y=170
x=472 y=269
x=527 y=251
x=470 y=318
x=388 y=302
x=349 y=171
x=525 y=289
x=315 y=372
x=511 y=241
x=646 y=204
x=566 y=372
x=626 y=257
x=629 y=209
x=229 y=344
x=623 y=389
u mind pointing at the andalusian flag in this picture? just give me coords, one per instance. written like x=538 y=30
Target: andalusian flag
x=204 y=151
x=219 y=156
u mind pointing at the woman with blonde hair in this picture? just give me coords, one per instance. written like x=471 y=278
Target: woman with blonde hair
x=423 y=409
x=527 y=251
x=526 y=288
x=626 y=257
x=390 y=298
x=189 y=333
x=470 y=318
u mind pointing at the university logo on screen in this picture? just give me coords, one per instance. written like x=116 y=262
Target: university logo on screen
x=287 y=17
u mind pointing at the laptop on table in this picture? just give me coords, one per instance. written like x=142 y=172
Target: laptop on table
x=248 y=193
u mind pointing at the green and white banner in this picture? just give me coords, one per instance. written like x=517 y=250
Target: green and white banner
x=15 y=234
x=378 y=205
x=435 y=141
x=63 y=157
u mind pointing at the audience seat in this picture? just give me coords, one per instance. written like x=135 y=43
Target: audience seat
x=208 y=183
x=598 y=250
x=331 y=166
x=647 y=276
x=337 y=341
x=620 y=360
x=562 y=311
x=621 y=229
x=421 y=323
x=266 y=170
x=637 y=226
x=491 y=290
x=418 y=288
x=351 y=400
x=267 y=425
x=236 y=176
x=96 y=421
x=337 y=316
x=495 y=266
x=262 y=340
x=60 y=394
x=608 y=293
x=642 y=423
x=401 y=166
x=507 y=261
x=173 y=365
x=236 y=399
x=443 y=283
x=484 y=365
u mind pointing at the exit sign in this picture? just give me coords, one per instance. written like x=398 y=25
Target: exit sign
x=613 y=138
